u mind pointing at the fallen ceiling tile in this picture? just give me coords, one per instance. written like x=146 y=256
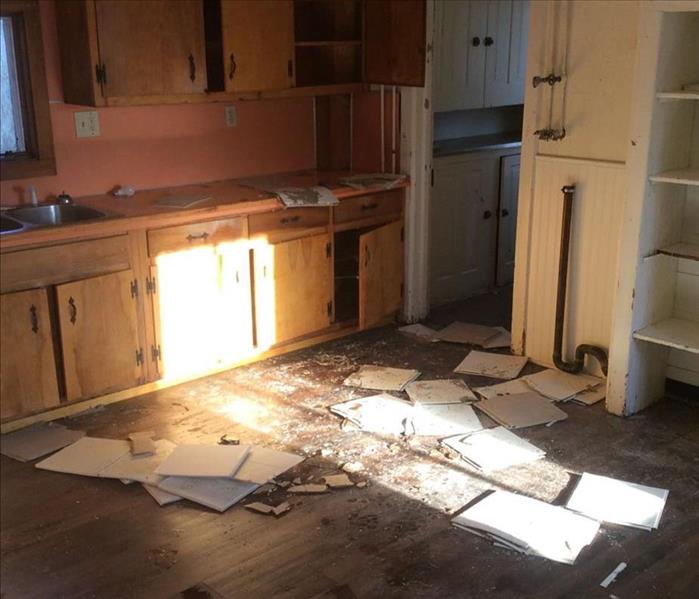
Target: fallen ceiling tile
x=498 y=366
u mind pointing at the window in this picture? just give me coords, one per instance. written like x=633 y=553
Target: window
x=26 y=142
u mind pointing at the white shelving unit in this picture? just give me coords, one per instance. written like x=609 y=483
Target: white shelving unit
x=657 y=310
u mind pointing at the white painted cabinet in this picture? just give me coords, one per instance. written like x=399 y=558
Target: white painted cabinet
x=507 y=218
x=463 y=226
x=480 y=53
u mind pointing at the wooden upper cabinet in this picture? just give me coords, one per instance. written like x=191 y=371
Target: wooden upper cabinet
x=258 y=44
x=99 y=335
x=27 y=366
x=151 y=47
x=394 y=42
x=140 y=48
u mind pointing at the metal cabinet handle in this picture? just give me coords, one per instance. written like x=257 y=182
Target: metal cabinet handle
x=370 y=206
x=73 y=310
x=34 y=318
x=289 y=219
x=202 y=236
x=192 y=69
x=475 y=42
x=487 y=214
x=233 y=68
x=488 y=41
x=505 y=212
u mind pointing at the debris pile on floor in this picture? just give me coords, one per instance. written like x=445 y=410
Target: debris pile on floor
x=216 y=476
x=444 y=409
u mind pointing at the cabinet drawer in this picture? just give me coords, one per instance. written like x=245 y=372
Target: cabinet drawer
x=55 y=264
x=369 y=206
x=286 y=224
x=171 y=239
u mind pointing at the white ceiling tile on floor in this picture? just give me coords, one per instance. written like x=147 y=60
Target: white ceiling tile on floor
x=442 y=391
x=497 y=366
x=466 y=332
x=87 y=456
x=521 y=410
x=37 y=440
x=215 y=493
x=381 y=378
x=558 y=385
x=204 y=461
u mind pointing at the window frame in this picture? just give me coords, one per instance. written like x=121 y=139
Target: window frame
x=38 y=159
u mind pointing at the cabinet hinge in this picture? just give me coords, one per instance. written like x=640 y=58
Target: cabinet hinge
x=330 y=308
x=290 y=68
x=328 y=250
x=150 y=285
x=101 y=74
x=134 y=288
x=155 y=352
x=139 y=356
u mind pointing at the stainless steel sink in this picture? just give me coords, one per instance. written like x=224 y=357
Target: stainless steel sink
x=8 y=225
x=53 y=215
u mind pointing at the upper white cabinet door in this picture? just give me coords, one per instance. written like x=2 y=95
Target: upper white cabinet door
x=506 y=52
x=460 y=52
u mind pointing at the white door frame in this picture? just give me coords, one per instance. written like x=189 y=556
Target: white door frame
x=416 y=162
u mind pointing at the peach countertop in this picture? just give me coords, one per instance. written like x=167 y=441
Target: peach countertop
x=228 y=198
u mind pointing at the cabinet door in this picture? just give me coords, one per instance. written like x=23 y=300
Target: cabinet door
x=507 y=218
x=27 y=365
x=380 y=274
x=151 y=47
x=235 y=302
x=186 y=304
x=463 y=227
x=506 y=58
x=460 y=51
x=258 y=44
x=394 y=42
x=292 y=289
x=99 y=335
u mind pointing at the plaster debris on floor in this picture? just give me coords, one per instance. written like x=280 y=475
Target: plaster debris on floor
x=497 y=366
x=381 y=378
x=37 y=441
x=142 y=443
x=378 y=414
x=529 y=526
x=618 y=502
x=613 y=575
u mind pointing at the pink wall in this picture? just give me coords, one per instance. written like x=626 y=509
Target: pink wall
x=155 y=146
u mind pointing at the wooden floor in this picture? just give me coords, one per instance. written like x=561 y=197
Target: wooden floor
x=74 y=537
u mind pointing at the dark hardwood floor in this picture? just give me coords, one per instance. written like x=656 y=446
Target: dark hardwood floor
x=74 y=537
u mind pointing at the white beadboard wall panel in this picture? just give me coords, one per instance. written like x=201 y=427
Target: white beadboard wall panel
x=597 y=212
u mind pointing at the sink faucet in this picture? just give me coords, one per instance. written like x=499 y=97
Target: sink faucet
x=63 y=198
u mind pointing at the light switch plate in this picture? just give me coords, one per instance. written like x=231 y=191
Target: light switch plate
x=231 y=116
x=87 y=123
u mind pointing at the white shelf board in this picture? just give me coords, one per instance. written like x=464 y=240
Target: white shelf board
x=679 y=95
x=673 y=332
x=681 y=176
x=688 y=251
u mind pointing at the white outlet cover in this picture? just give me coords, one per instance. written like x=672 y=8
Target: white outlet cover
x=231 y=116
x=87 y=123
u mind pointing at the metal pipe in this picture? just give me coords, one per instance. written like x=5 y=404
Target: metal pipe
x=580 y=352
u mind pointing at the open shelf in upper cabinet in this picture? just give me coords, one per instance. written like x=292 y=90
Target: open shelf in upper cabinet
x=679 y=176
x=677 y=333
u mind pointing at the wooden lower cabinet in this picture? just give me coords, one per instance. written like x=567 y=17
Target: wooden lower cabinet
x=202 y=308
x=99 y=335
x=380 y=274
x=27 y=363
x=293 y=293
